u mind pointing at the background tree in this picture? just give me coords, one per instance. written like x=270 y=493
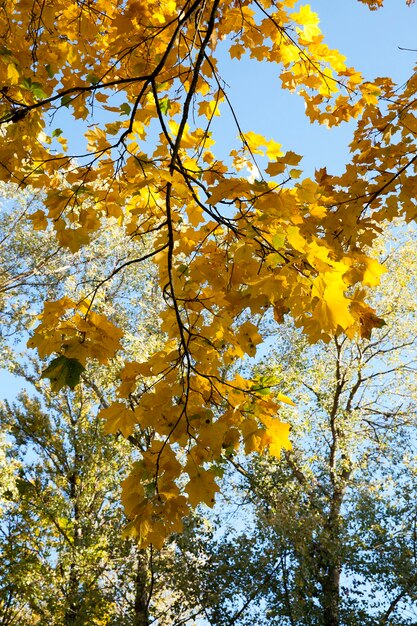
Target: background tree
x=330 y=528
x=64 y=560
x=62 y=533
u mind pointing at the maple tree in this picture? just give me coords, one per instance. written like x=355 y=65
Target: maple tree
x=229 y=249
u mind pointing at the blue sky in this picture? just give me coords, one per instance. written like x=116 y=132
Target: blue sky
x=369 y=40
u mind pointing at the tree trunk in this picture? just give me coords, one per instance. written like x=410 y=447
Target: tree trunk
x=141 y=591
x=73 y=607
x=71 y=611
x=330 y=557
x=331 y=595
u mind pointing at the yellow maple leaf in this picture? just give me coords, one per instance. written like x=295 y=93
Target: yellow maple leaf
x=283 y=398
x=118 y=418
x=13 y=74
x=296 y=240
x=209 y=108
x=248 y=338
x=273 y=149
x=202 y=488
x=309 y=20
x=373 y=272
x=277 y=435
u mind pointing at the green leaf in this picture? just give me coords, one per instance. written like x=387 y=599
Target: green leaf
x=34 y=87
x=93 y=78
x=125 y=108
x=164 y=105
x=38 y=92
x=26 y=83
x=183 y=269
x=24 y=486
x=49 y=71
x=57 y=132
x=150 y=489
x=65 y=100
x=262 y=384
x=63 y=372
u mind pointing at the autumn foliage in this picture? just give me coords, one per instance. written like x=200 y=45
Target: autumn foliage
x=143 y=81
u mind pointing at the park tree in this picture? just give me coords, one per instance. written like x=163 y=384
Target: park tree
x=230 y=249
x=61 y=531
x=330 y=533
x=63 y=558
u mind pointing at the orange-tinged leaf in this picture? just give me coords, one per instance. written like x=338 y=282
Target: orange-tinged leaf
x=368 y=320
x=39 y=220
x=209 y=108
x=276 y=167
x=236 y=51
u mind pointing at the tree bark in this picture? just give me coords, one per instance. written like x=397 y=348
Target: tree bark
x=331 y=595
x=71 y=611
x=141 y=608
x=73 y=601
x=339 y=478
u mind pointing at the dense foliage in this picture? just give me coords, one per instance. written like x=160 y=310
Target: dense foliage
x=150 y=269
